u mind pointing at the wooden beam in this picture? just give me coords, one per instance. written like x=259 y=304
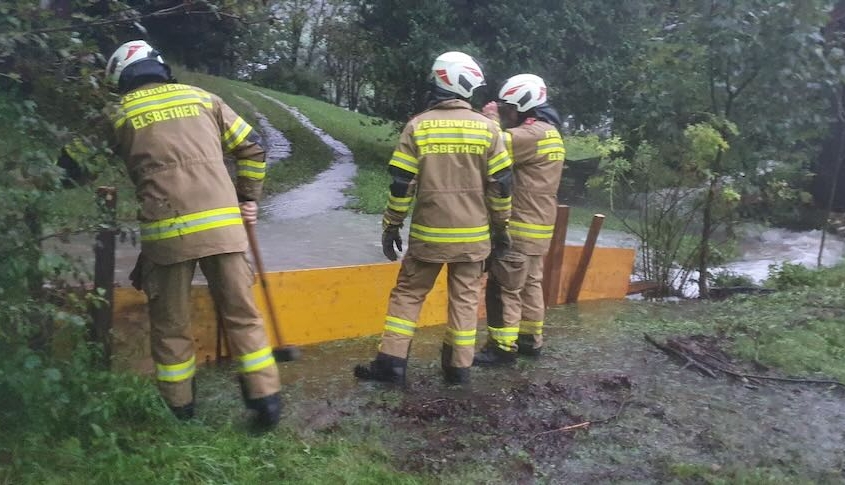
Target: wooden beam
x=104 y=261
x=584 y=262
x=553 y=264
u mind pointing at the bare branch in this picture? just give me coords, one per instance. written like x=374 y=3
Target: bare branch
x=166 y=12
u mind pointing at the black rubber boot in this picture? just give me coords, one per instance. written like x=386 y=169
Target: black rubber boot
x=183 y=413
x=492 y=355
x=525 y=346
x=385 y=368
x=452 y=375
x=456 y=375
x=268 y=410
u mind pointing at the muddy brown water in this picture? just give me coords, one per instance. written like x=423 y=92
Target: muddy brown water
x=653 y=413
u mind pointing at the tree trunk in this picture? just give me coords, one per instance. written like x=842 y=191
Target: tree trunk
x=706 y=231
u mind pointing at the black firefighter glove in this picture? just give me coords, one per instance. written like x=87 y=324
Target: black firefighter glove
x=501 y=240
x=390 y=238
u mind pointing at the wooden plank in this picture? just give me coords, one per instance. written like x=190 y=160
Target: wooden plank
x=554 y=258
x=608 y=277
x=584 y=262
x=104 y=261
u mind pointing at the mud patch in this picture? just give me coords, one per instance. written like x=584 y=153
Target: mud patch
x=523 y=426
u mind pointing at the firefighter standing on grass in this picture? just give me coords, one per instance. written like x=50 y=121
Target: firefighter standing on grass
x=514 y=295
x=453 y=161
x=170 y=136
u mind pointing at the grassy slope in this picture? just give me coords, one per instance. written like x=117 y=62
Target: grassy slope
x=309 y=155
x=370 y=139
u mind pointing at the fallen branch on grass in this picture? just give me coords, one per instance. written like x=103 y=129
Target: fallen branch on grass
x=715 y=362
x=586 y=424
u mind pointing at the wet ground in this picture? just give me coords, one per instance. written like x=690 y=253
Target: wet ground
x=525 y=424
x=276 y=146
x=326 y=192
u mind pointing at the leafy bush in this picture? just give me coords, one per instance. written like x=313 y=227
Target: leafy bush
x=788 y=275
x=727 y=278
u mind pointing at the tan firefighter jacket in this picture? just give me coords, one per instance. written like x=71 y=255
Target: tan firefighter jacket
x=454 y=155
x=538 y=154
x=172 y=138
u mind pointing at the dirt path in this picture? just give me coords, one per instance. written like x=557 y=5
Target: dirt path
x=276 y=145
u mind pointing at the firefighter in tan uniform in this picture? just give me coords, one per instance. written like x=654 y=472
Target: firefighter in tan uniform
x=453 y=162
x=170 y=136
x=514 y=295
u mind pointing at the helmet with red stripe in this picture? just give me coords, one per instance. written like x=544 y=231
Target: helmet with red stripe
x=524 y=91
x=457 y=73
x=129 y=53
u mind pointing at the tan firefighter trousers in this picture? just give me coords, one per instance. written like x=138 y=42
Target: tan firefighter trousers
x=230 y=279
x=416 y=278
x=514 y=300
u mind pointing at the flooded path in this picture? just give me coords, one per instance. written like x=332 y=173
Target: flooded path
x=326 y=192
x=276 y=145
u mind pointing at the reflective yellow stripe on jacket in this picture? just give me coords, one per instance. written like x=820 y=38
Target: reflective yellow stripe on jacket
x=176 y=372
x=236 y=133
x=170 y=103
x=553 y=147
x=405 y=162
x=252 y=169
x=500 y=203
x=450 y=234
x=190 y=223
x=532 y=231
x=499 y=162
x=469 y=136
x=399 y=204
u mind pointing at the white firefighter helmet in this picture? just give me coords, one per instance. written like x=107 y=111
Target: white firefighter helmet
x=525 y=91
x=457 y=73
x=127 y=54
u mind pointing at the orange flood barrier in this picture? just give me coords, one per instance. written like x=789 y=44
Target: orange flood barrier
x=321 y=305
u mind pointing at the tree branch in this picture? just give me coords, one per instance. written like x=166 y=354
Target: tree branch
x=165 y=12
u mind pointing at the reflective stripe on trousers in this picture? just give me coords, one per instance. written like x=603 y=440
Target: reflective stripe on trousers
x=177 y=372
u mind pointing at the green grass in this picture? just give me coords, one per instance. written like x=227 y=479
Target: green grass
x=370 y=190
x=113 y=428
x=371 y=140
x=797 y=332
x=583 y=216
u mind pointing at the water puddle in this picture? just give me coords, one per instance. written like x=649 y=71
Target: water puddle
x=276 y=145
x=326 y=192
